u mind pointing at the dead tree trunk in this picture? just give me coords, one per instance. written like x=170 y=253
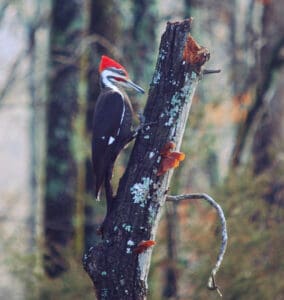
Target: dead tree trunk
x=117 y=271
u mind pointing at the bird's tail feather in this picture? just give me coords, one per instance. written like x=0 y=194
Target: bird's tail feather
x=98 y=186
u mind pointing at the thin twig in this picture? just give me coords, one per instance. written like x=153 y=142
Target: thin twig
x=208 y=71
x=12 y=76
x=13 y=72
x=2 y=9
x=211 y=281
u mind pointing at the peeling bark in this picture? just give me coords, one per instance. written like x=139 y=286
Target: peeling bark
x=115 y=269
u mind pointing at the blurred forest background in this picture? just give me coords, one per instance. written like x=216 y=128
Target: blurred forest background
x=234 y=145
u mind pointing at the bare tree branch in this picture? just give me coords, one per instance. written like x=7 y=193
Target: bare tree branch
x=3 y=8
x=31 y=27
x=211 y=281
x=12 y=76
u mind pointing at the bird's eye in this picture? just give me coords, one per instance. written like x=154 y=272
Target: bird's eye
x=120 y=72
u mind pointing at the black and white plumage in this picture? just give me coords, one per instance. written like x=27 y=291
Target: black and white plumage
x=111 y=124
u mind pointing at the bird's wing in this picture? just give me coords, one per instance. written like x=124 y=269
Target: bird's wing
x=108 y=115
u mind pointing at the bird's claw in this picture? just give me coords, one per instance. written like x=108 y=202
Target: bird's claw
x=141 y=128
x=143 y=123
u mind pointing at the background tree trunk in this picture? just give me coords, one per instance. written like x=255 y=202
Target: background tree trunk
x=116 y=270
x=260 y=76
x=140 y=41
x=268 y=143
x=61 y=174
x=170 y=289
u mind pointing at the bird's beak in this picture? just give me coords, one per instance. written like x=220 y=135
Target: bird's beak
x=136 y=87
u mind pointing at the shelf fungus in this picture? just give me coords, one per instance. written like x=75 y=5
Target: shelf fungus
x=143 y=246
x=194 y=54
x=170 y=159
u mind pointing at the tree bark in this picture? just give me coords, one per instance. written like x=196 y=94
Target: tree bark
x=115 y=268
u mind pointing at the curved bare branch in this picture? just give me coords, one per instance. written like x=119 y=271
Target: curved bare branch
x=197 y=196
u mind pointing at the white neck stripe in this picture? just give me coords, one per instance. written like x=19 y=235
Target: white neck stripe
x=107 y=82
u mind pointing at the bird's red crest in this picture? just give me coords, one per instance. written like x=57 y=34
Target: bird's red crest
x=107 y=62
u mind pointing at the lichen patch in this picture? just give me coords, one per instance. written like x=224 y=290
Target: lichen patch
x=140 y=191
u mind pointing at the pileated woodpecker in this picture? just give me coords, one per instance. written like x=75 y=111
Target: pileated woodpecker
x=112 y=123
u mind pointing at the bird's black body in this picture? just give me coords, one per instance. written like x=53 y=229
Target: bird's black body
x=112 y=124
x=111 y=132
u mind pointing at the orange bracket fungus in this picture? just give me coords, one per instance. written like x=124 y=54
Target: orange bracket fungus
x=143 y=246
x=170 y=158
x=194 y=54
